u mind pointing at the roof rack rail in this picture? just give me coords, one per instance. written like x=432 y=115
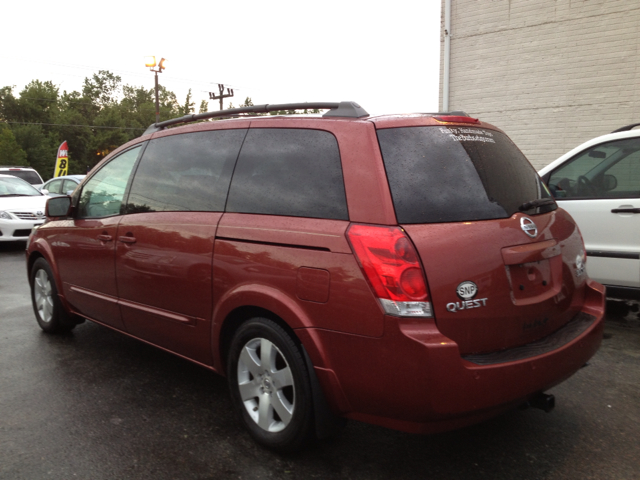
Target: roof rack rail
x=626 y=128
x=336 y=109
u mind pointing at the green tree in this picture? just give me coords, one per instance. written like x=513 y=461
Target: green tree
x=102 y=116
x=38 y=103
x=103 y=88
x=40 y=148
x=187 y=108
x=10 y=151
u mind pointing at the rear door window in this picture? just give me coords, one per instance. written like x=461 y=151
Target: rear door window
x=454 y=174
x=27 y=175
x=293 y=172
x=186 y=172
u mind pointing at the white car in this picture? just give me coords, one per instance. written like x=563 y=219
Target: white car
x=21 y=208
x=598 y=183
x=27 y=174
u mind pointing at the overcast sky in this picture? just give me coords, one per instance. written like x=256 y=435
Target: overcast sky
x=384 y=55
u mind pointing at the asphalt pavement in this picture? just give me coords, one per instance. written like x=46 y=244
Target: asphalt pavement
x=95 y=404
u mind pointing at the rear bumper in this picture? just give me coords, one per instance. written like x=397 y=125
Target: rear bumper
x=414 y=379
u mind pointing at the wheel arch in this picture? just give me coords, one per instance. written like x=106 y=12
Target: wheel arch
x=249 y=301
x=41 y=249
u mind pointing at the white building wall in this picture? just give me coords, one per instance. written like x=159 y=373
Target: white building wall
x=551 y=73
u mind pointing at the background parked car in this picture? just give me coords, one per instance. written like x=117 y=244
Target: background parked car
x=27 y=174
x=21 y=208
x=64 y=185
x=598 y=183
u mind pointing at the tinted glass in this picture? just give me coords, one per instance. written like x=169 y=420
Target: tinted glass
x=26 y=175
x=185 y=172
x=292 y=172
x=453 y=174
x=103 y=194
x=608 y=170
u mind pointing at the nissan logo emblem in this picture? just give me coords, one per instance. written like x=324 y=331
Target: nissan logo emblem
x=528 y=227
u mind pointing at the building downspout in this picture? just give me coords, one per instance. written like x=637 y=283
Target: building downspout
x=447 y=55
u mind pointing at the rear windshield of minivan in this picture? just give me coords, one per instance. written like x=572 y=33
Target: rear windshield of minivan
x=454 y=174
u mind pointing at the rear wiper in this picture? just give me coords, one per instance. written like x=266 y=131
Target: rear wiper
x=536 y=203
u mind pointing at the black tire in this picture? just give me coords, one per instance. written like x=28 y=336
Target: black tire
x=50 y=313
x=270 y=389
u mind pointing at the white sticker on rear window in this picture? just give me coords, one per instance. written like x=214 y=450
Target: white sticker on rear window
x=462 y=134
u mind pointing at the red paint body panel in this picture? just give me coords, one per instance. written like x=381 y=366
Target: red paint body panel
x=430 y=387
x=165 y=278
x=268 y=252
x=473 y=251
x=84 y=253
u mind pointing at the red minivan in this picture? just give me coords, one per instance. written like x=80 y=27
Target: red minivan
x=410 y=271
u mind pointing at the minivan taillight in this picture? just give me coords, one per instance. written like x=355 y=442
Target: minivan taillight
x=390 y=264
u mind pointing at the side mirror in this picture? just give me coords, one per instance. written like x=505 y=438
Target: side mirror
x=58 y=207
x=609 y=182
x=44 y=191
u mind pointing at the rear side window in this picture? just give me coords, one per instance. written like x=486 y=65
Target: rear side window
x=293 y=172
x=55 y=186
x=455 y=174
x=27 y=175
x=186 y=172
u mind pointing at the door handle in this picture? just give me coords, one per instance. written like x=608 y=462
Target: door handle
x=105 y=238
x=625 y=210
x=127 y=239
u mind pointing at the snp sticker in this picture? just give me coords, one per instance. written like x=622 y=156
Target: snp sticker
x=467 y=290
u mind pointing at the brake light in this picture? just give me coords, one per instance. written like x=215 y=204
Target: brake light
x=391 y=266
x=456 y=119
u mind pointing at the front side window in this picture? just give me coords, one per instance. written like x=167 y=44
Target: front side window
x=292 y=172
x=103 y=194
x=186 y=172
x=608 y=170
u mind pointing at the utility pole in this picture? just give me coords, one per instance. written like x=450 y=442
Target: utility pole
x=213 y=96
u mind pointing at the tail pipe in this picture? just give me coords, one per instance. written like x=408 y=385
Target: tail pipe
x=543 y=401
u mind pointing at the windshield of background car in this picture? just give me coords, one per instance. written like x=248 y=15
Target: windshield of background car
x=26 y=175
x=14 y=187
x=454 y=174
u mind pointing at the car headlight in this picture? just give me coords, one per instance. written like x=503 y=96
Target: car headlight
x=5 y=215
